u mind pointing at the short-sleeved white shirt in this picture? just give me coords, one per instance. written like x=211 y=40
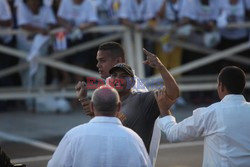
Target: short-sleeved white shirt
x=135 y=12
x=247 y=4
x=78 y=14
x=157 y=5
x=193 y=9
x=45 y=2
x=172 y=11
x=5 y=13
x=235 y=14
x=107 y=11
x=42 y=19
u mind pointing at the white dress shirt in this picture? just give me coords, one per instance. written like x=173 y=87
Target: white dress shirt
x=225 y=128
x=103 y=142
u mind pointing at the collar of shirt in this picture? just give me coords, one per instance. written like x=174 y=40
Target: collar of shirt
x=103 y=119
x=233 y=98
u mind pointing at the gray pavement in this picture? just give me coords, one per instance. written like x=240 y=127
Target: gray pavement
x=31 y=138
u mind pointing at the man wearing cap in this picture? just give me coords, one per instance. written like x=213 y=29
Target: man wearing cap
x=140 y=108
x=139 y=118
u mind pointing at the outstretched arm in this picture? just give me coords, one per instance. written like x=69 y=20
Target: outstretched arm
x=171 y=86
x=188 y=129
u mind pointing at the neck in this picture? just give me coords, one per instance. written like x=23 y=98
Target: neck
x=104 y=115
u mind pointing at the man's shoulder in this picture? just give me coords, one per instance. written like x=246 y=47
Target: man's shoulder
x=206 y=110
x=77 y=130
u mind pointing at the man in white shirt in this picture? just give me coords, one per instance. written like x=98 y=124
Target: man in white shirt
x=103 y=141
x=224 y=125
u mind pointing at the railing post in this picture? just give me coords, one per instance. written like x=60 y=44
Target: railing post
x=140 y=71
x=128 y=47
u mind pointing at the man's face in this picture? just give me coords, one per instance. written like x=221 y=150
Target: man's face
x=105 y=62
x=121 y=81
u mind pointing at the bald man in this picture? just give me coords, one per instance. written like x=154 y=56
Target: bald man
x=103 y=141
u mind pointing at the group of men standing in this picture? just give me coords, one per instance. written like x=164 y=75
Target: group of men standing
x=120 y=134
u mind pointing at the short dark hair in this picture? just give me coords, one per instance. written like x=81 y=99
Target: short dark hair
x=105 y=100
x=233 y=78
x=115 y=48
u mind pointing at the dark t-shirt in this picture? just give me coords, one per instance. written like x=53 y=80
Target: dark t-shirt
x=141 y=111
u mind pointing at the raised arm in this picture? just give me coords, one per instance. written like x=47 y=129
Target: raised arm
x=81 y=94
x=171 y=86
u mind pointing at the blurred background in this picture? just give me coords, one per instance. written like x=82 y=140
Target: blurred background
x=47 y=46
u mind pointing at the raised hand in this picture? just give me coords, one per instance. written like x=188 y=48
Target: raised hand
x=81 y=90
x=152 y=60
x=163 y=101
x=81 y=94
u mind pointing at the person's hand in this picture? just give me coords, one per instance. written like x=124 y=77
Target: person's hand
x=163 y=101
x=81 y=90
x=81 y=94
x=86 y=107
x=152 y=60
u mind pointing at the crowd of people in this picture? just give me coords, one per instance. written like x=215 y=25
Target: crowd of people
x=209 y=19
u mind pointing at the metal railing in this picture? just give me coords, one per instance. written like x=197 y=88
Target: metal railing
x=132 y=43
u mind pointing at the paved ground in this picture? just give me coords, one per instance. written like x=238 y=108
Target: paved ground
x=31 y=138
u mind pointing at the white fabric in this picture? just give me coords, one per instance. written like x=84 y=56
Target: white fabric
x=48 y=2
x=38 y=43
x=170 y=14
x=5 y=15
x=225 y=128
x=17 y=3
x=193 y=9
x=247 y=4
x=107 y=11
x=78 y=14
x=157 y=5
x=134 y=12
x=234 y=14
x=42 y=20
x=103 y=142
x=45 y=2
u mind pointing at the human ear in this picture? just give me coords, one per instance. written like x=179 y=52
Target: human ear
x=92 y=107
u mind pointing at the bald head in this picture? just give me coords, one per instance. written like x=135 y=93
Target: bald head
x=105 y=101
